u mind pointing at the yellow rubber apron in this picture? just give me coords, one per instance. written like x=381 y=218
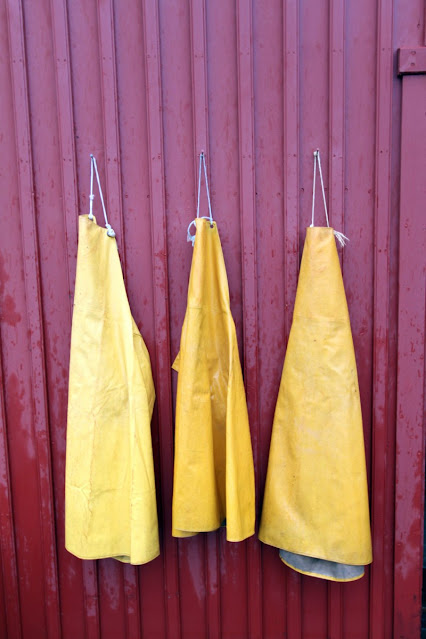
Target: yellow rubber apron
x=213 y=469
x=110 y=507
x=315 y=507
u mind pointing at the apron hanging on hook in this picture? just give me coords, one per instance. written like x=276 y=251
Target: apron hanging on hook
x=315 y=506
x=110 y=502
x=189 y=237
x=213 y=465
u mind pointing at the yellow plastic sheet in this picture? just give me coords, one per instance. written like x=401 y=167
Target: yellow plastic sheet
x=315 y=506
x=110 y=507
x=213 y=471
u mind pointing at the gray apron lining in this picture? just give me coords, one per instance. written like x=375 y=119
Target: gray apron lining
x=321 y=567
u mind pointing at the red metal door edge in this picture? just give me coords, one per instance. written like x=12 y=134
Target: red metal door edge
x=410 y=431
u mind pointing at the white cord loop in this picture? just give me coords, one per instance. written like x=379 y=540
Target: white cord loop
x=342 y=239
x=93 y=165
x=189 y=237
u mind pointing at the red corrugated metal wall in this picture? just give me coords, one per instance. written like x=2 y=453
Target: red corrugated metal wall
x=145 y=86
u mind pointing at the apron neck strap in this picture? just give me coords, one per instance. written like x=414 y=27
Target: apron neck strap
x=318 y=159
x=94 y=166
x=189 y=237
x=203 y=161
x=342 y=239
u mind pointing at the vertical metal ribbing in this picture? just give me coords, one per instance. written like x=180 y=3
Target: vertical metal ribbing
x=291 y=31
x=161 y=311
x=336 y=152
x=380 y=422
x=66 y=131
x=111 y=123
x=249 y=284
x=34 y=313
